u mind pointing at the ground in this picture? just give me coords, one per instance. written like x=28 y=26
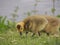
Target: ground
x=13 y=38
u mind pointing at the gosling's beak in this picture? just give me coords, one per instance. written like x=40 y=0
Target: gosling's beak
x=20 y=33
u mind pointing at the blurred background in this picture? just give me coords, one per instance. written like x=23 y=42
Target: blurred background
x=22 y=8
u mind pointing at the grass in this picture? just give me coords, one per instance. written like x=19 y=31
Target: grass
x=13 y=38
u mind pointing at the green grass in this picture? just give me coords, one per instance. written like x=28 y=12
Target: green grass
x=13 y=38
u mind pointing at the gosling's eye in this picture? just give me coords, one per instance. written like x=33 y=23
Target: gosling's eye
x=18 y=26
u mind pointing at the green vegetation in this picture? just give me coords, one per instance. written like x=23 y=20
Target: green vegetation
x=13 y=38
x=6 y=24
x=58 y=15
